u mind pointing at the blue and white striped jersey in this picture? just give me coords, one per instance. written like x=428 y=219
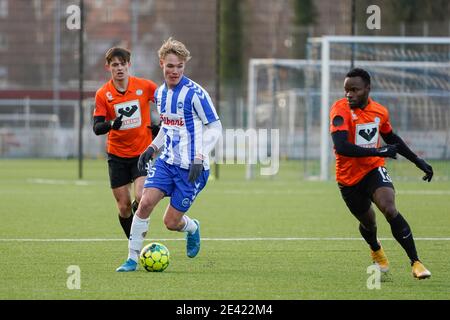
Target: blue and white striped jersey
x=184 y=112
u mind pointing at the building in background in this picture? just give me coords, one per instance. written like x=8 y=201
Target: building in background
x=36 y=48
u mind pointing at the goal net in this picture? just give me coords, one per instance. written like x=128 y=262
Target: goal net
x=410 y=76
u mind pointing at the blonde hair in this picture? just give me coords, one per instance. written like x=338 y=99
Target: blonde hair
x=176 y=47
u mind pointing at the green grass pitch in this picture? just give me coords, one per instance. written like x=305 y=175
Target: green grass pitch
x=269 y=238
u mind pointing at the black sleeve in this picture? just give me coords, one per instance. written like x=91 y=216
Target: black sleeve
x=345 y=148
x=100 y=126
x=155 y=129
x=402 y=148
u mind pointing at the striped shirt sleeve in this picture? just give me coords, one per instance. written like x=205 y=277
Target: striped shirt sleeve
x=204 y=107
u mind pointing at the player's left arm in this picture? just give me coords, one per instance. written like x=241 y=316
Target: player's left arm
x=205 y=110
x=403 y=149
x=211 y=134
x=212 y=131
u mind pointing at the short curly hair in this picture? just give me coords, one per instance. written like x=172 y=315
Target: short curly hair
x=358 y=72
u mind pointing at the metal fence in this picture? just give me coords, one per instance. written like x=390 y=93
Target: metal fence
x=40 y=57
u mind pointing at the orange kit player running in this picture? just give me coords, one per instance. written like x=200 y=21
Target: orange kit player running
x=356 y=124
x=122 y=110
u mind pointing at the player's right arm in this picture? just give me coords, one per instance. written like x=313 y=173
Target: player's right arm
x=148 y=154
x=101 y=126
x=339 y=127
x=344 y=148
x=157 y=143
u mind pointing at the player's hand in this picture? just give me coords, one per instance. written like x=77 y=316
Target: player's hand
x=117 y=122
x=425 y=167
x=145 y=157
x=195 y=170
x=389 y=150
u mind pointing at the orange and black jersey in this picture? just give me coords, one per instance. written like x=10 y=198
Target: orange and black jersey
x=134 y=135
x=364 y=128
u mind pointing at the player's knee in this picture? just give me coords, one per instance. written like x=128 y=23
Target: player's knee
x=124 y=209
x=171 y=224
x=390 y=211
x=145 y=207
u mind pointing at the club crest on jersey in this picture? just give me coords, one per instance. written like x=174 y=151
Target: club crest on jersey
x=139 y=92
x=109 y=96
x=366 y=135
x=180 y=105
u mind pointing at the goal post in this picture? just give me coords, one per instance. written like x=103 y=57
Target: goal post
x=326 y=43
x=411 y=76
x=255 y=98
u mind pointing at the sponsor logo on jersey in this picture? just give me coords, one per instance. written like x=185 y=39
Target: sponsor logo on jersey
x=172 y=122
x=130 y=110
x=367 y=135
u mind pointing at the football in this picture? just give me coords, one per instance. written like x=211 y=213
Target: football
x=154 y=257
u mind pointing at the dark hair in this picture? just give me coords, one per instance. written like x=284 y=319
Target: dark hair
x=358 y=72
x=123 y=54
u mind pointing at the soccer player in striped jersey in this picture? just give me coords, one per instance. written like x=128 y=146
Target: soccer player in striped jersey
x=189 y=131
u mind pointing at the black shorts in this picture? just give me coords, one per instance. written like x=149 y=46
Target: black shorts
x=123 y=171
x=358 y=197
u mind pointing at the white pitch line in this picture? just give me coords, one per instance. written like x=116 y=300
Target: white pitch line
x=425 y=192
x=60 y=182
x=253 y=191
x=214 y=239
x=320 y=192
